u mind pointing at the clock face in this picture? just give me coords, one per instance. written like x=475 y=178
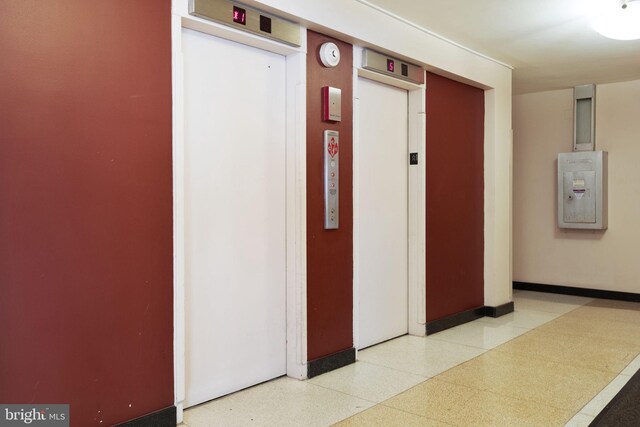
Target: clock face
x=329 y=54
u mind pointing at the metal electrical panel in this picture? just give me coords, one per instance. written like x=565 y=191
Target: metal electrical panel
x=331 y=182
x=390 y=66
x=244 y=18
x=584 y=117
x=582 y=190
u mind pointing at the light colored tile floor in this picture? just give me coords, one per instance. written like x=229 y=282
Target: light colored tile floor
x=545 y=364
x=422 y=356
x=528 y=319
x=281 y=402
x=609 y=355
x=459 y=405
x=367 y=381
x=530 y=379
x=480 y=335
x=384 y=416
x=552 y=303
x=572 y=324
x=619 y=313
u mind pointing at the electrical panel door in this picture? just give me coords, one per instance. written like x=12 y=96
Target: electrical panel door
x=582 y=190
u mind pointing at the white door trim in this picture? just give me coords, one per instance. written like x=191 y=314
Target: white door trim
x=296 y=241
x=416 y=199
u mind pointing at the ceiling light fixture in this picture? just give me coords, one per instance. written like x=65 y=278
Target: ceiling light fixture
x=621 y=22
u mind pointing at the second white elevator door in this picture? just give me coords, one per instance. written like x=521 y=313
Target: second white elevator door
x=382 y=242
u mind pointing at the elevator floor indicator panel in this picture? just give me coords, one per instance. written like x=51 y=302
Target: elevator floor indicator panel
x=247 y=19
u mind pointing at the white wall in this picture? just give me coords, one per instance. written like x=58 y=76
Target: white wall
x=543 y=127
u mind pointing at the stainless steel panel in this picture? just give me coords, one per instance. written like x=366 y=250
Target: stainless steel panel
x=580 y=196
x=391 y=66
x=584 y=116
x=332 y=108
x=222 y=11
x=582 y=190
x=331 y=179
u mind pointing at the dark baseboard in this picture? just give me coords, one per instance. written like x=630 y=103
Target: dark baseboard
x=163 y=418
x=440 y=325
x=498 y=311
x=454 y=320
x=329 y=363
x=581 y=292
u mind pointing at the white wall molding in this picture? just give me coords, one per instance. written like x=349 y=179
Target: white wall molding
x=432 y=33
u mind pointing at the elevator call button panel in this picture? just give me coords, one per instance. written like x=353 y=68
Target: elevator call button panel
x=331 y=179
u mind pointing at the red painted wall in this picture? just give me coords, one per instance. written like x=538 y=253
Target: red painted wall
x=455 y=197
x=329 y=252
x=86 y=207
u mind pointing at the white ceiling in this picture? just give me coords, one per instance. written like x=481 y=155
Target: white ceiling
x=549 y=43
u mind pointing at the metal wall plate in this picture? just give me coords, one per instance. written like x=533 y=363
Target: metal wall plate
x=584 y=117
x=391 y=66
x=244 y=18
x=331 y=104
x=331 y=179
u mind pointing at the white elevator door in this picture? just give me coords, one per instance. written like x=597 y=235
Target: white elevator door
x=382 y=243
x=235 y=294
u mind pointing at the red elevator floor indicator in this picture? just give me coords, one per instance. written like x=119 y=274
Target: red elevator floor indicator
x=332 y=147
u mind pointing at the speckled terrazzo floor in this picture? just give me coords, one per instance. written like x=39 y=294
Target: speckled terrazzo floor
x=557 y=360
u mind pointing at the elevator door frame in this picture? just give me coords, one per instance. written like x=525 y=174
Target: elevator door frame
x=295 y=193
x=416 y=199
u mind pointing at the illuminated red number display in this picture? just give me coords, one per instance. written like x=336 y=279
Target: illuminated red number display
x=391 y=66
x=239 y=15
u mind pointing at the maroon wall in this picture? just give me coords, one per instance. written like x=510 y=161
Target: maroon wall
x=86 y=207
x=455 y=197
x=329 y=252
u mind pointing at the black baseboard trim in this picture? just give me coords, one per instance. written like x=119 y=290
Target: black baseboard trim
x=163 y=418
x=581 y=292
x=329 y=363
x=440 y=325
x=498 y=311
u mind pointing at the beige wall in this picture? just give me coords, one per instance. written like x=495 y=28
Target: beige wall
x=542 y=253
